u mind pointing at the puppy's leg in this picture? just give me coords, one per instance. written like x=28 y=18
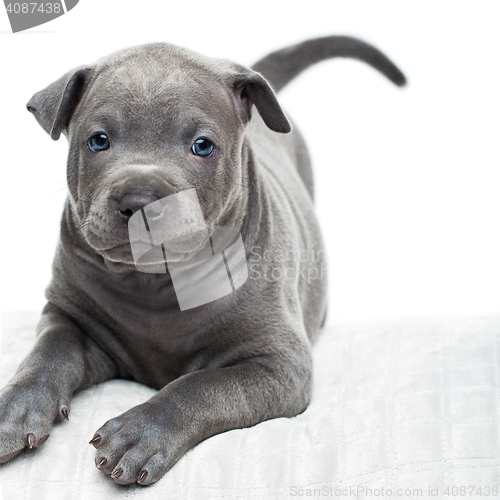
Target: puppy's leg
x=63 y=361
x=146 y=441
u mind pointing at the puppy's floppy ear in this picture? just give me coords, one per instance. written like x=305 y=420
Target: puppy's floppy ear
x=252 y=88
x=54 y=106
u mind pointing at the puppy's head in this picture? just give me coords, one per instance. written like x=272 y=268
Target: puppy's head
x=149 y=122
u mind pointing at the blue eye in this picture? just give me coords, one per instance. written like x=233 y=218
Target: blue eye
x=98 y=142
x=202 y=147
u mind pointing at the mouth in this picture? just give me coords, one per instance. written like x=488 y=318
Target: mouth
x=180 y=250
x=119 y=253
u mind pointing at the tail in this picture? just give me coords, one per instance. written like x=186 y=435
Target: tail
x=284 y=65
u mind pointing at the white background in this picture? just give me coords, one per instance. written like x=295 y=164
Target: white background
x=408 y=181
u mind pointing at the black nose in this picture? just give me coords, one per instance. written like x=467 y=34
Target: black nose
x=132 y=202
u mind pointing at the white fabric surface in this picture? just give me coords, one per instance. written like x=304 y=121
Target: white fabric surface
x=411 y=405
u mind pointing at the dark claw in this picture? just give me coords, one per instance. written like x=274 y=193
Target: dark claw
x=102 y=461
x=95 y=440
x=117 y=473
x=31 y=440
x=142 y=476
x=65 y=413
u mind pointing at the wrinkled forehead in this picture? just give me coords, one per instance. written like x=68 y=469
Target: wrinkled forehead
x=162 y=85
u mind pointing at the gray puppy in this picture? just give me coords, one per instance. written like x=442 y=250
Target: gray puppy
x=143 y=124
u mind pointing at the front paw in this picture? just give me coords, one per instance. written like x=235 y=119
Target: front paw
x=27 y=413
x=138 y=446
